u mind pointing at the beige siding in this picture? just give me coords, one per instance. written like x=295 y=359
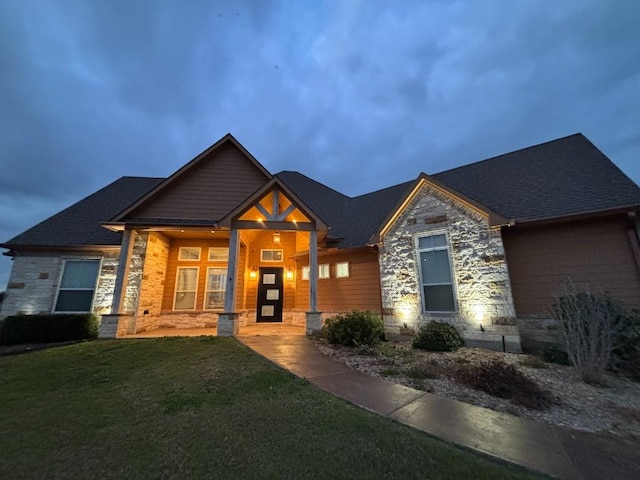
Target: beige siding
x=360 y=291
x=208 y=191
x=598 y=252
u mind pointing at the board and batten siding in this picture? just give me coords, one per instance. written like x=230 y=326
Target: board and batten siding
x=173 y=263
x=359 y=291
x=596 y=251
x=209 y=190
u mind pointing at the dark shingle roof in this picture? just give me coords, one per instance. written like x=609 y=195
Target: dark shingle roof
x=352 y=220
x=80 y=224
x=563 y=177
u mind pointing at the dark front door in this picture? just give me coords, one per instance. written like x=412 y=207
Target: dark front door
x=270 y=295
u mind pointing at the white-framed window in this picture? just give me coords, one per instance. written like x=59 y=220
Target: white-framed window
x=323 y=270
x=271 y=255
x=342 y=269
x=186 y=288
x=436 y=277
x=218 y=254
x=189 y=254
x=215 y=288
x=77 y=285
x=305 y=272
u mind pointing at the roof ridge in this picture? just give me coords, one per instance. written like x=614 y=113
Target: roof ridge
x=383 y=189
x=313 y=180
x=577 y=134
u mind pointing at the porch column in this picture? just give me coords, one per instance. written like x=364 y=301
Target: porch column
x=109 y=322
x=228 y=321
x=314 y=318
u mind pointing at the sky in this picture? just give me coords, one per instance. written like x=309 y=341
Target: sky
x=359 y=95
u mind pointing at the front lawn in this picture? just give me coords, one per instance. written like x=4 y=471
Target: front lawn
x=198 y=408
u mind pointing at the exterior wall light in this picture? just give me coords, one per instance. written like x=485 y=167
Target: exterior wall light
x=253 y=274
x=289 y=274
x=276 y=238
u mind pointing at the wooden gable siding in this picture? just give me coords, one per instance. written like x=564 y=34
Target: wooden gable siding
x=208 y=191
x=264 y=240
x=598 y=252
x=359 y=291
x=173 y=263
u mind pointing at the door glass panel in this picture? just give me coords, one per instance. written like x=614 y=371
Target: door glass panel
x=273 y=294
x=269 y=279
x=268 y=310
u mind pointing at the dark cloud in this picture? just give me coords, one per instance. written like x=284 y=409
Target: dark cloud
x=358 y=94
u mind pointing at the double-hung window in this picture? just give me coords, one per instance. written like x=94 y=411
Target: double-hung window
x=216 y=286
x=77 y=286
x=435 y=274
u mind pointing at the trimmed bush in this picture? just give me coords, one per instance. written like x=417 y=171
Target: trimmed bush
x=438 y=337
x=554 y=353
x=504 y=381
x=48 y=328
x=354 y=329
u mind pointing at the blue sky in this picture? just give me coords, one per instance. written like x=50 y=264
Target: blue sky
x=359 y=95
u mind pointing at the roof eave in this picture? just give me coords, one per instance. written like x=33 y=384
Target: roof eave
x=578 y=216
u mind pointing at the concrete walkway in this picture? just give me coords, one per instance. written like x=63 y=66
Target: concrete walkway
x=559 y=452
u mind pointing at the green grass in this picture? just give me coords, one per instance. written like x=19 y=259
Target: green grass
x=198 y=408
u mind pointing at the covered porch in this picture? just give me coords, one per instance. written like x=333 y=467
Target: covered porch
x=253 y=273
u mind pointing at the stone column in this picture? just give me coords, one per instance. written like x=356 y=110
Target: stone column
x=313 y=318
x=117 y=320
x=228 y=321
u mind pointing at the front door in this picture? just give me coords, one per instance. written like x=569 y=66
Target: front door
x=270 y=295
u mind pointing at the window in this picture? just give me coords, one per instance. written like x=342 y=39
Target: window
x=323 y=270
x=342 y=269
x=219 y=254
x=435 y=274
x=186 y=288
x=305 y=272
x=189 y=253
x=216 y=285
x=78 y=282
x=271 y=255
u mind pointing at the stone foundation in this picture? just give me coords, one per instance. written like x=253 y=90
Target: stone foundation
x=114 y=325
x=313 y=322
x=228 y=324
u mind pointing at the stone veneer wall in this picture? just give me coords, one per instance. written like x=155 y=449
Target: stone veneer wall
x=35 y=276
x=136 y=267
x=152 y=286
x=481 y=278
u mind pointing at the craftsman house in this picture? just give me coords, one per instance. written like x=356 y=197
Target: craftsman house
x=224 y=243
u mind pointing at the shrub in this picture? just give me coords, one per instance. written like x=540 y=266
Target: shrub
x=354 y=329
x=504 y=381
x=554 y=353
x=532 y=361
x=48 y=328
x=438 y=337
x=625 y=356
x=590 y=325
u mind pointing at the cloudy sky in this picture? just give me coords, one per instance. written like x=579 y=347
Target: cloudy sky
x=357 y=94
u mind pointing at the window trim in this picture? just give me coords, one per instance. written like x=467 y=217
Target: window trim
x=206 y=290
x=209 y=259
x=453 y=283
x=262 y=259
x=320 y=277
x=180 y=259
x=95 y=285
x=175 y=290
x=338 y=270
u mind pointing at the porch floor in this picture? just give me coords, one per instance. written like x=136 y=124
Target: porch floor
x=253 y=330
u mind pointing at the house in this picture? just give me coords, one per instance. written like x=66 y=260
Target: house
x=224 y=243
